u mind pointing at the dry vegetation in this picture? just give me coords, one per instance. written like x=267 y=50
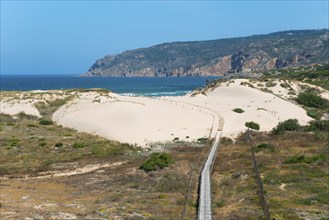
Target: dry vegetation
x=293 y=167
x=296 y=190
x=121 y=190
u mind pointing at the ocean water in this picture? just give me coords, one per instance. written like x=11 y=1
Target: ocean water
x=133 y=86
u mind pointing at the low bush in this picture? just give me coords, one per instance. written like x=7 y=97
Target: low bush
x=305 y=159
x=318 y=125
x=59 y=144
x=79 y=145
x=270 y=84
x=238 y=110
x=44 y=121
x=313 y=114
x=285 y=85
x=42 y=144
x=157 y=161
x=226 y=140
x=312 y=100
x=263 y=146
x=288 y=125
x=23 y=115
x=252 y=125
x=202 y=140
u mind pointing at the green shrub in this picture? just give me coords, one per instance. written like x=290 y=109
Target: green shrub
x=285 y=85
x=59 y=144
x=13 y=141
x=44 y=121
x=288 y=125
x=42 y=144
x=247 y=84
x=318 y=125
x=312 y=100
x=79 y=145
x=202 y=140
x=263 y=146
x=252 y=125
x=305 y=159
x=313 y=114
x=157 y=161
x=238 y=110
x=23 y=115
x=270 y=84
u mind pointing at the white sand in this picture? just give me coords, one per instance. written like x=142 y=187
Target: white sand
x=263 y=108
x=15 y=107
x=135 y=120
x=141 y=120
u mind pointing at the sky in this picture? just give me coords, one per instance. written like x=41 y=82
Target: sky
x=67 y=37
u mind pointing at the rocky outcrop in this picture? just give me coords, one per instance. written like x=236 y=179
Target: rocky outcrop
x=218 y=57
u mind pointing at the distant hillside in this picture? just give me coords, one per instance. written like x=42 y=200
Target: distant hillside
x=218 y=57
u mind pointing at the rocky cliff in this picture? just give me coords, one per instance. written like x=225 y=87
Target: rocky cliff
x=218 y=57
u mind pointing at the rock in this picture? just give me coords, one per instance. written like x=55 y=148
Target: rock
x=38 y=217
x=236 y=175
x=218 y=57
x=68 y=216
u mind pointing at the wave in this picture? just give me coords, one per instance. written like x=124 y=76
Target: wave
x=157 y=94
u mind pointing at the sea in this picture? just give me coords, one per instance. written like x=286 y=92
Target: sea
x=129 y=86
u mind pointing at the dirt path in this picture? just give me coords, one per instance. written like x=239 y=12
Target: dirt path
x=70 y=172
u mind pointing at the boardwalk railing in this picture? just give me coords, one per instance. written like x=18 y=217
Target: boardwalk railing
x=204 y=210
x=265 y=207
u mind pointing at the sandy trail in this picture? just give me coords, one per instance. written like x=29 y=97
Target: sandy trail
x=70 y=172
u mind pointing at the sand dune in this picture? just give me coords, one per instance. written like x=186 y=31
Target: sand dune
x=264 y=108
x=142 y=120
x=136 y=120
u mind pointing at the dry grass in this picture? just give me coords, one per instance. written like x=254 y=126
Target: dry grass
x=122 y=191
x=291 y=190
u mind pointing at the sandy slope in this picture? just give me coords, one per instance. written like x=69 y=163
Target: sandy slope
x=15 y=107
x=141 y=120
x=264 y=108
x=135 y=120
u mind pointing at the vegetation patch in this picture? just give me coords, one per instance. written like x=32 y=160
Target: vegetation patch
x=263 y=146
x=44 y=121
x=157 y=161
x=312 y=100
x=59 y=144
x=305 y=159
x=79 y=145
x=252 y=125
x=247 y=84
x=313 y=114
x=238 y=110
x=270 y=84
x=318 y=125
x=46 y=109
x=108 y=150
x=288 y=125
x=285 y=85
x=202 y=140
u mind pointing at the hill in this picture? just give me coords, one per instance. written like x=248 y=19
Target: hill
x=218 y=57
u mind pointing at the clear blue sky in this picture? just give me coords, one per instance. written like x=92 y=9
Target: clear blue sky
x=66 y=37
